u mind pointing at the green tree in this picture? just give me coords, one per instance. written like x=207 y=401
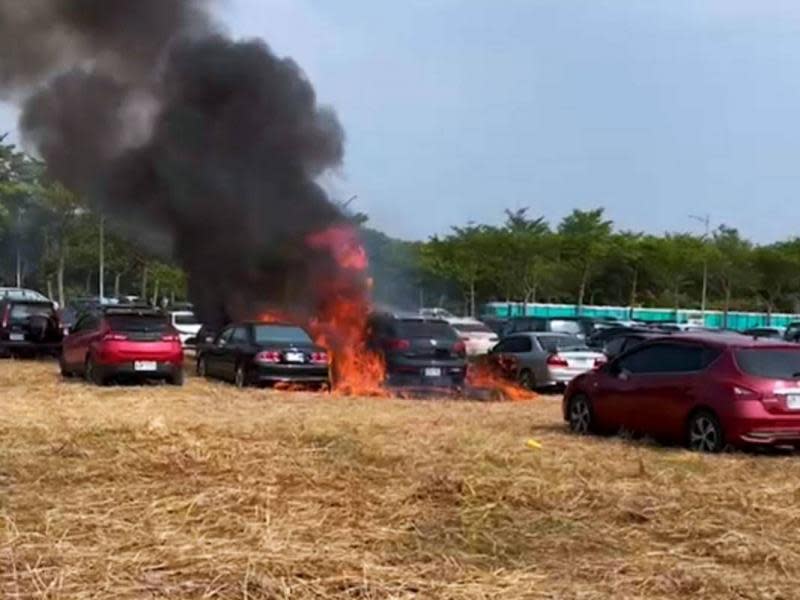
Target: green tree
x=585 y=241
x=730 y=265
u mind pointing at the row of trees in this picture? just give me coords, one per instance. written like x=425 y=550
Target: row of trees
x=50 y=239
x=585 y=261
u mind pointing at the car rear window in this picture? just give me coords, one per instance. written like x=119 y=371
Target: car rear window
x=186 y=320
x=138 y=323
x=22 y=312
x=424 y=329
x=770 y=363
x=472 y=328
x=561 y=343
x=560 y=326
x=280 y=334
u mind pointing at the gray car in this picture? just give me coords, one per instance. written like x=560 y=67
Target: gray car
x=541 y=360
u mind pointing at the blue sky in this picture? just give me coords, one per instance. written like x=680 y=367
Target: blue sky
x=457 y=109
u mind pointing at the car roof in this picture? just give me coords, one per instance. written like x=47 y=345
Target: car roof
x=730 y=340
x=540 y=334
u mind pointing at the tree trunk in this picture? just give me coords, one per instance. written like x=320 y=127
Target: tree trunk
x=50 y=288
x=155 y=293
x=727 y=307
x=117 y=279
x=634 y=285
x=143 y=294
x=60 y=276
x=89 y=283
x=582 y=289
x=472 y=298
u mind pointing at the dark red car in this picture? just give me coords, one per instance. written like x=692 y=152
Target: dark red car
x=705 y=391
x=114 y=343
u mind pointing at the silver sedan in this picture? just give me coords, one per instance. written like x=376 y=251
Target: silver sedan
x=540 y=360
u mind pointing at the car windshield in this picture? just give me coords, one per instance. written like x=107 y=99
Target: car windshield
x=770 y=363
x=562 y=343
x=280 y=334
x=138 y=323
x=472 y=328
x=23 y=312
x=188 y=319
x=424 y=329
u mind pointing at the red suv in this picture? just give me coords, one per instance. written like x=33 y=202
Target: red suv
x=117 y=342
x=706 y=391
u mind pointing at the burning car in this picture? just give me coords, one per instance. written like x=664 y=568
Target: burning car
x=253 y=353
x=418 y=351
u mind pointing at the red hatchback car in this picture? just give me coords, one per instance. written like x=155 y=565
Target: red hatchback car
x=119 y=342
x=706 y=391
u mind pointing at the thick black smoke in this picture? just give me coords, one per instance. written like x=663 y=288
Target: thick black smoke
x=204 y=148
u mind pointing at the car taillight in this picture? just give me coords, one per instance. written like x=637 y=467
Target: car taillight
x=319 y=358
x=268 y=356
x=398 y=344
x=600 y=362
x=5 y=315
x=114 y=337
x=460 y=348
x=170 y=337
x=554 y=360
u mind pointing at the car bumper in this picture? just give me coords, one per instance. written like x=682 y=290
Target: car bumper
x=448 y=377
x=752 y=424
x=290 y=374
x=563 y=376
x=28 y=346
x=162 y=370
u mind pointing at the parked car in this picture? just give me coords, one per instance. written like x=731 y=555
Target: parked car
x=582 y=327
x=417 y=351
x=706 y=391
x=496 y=324
x=112 y=343
x=541 y=360
x=626 y=340
x=792 y=333
x=775 y=333
x=186 y=324
x=29 y=325
x=477 y=337
x=264 y=353
x=21 y=294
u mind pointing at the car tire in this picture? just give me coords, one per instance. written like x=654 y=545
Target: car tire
x=202 y=370
x=240 y=377
x=581 y=415
x=527 y=380
x=704 y=432
x=176 y=378
x=65 y=372
x=92 y=374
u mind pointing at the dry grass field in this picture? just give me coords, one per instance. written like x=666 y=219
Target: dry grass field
x=207 y=492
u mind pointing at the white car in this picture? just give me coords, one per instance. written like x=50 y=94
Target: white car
x=477 y=337
x=186 y=323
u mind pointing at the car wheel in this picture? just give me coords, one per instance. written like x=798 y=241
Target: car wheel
x=65 y=372
x=176 y=378
x=527 y=380
x=201 y=367
x=704 y=432
x=581 y=416
x=92 y=374
x=240 y=378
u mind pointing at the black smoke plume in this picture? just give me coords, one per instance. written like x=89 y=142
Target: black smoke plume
x=203 y=148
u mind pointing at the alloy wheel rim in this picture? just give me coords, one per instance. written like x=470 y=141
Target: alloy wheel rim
x=703 y=435
x=579 y=416
x=239 y=377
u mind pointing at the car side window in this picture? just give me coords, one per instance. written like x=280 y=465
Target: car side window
x=224 y=338
x=240 y=336
x=615 y=346
x=559 y=326
x=668 y=358
x=504 y=346
x=516 y=345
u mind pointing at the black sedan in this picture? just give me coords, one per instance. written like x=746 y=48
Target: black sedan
x=264 y=354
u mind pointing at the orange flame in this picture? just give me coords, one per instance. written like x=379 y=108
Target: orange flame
x=497 y=378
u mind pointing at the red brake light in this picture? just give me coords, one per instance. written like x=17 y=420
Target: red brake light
x=5 y=315
x=114 y=337
x=460 y=348
x=554 y=360
x=600 y=362
x=320 y=358
x=398 y=344
x=170 y=337
x=268 y=356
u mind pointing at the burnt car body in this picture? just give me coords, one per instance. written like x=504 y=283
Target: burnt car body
x=418 y=351
x=252 y=353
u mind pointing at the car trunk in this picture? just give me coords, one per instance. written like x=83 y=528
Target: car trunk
x=32 y=322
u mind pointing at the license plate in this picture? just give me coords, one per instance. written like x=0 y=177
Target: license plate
x=433 y=372
x=16 y=337
x=145 y=365
x=295 y=357
x=793 y=402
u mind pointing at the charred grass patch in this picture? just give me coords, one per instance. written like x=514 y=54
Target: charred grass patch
x=209 y=492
